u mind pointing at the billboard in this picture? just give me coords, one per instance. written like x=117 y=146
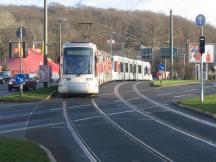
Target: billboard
x=195 y=56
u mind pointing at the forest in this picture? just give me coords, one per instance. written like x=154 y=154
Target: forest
x=129 y=29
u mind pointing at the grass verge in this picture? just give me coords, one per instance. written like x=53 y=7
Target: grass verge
x=209 y=104
x=35 y=95
x=158 y=83
x=12 y=150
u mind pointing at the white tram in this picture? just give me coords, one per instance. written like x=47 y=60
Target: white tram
x=83 y=68
x=77 y=69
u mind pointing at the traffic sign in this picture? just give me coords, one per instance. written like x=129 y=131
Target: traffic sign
x=161 y=67
x=18 y=32
x=20 y=78
x=200 y=20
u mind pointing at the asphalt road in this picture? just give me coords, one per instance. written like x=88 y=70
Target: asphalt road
x=126 y=122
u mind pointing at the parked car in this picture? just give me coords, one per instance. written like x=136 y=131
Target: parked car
x=30 y=82
x=4 y=77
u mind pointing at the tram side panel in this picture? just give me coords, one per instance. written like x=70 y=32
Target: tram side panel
x=103 y=67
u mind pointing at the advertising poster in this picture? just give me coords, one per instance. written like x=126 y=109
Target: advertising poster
x=195 y=56
x=208 y=57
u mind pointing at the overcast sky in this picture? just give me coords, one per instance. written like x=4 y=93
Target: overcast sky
x=185 y=8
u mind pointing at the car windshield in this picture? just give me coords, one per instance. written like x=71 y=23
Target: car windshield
x=78 y=60
x=2 y=74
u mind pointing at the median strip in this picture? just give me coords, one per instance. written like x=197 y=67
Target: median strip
x=208 y=106
x=29 y=96
x=164 y=83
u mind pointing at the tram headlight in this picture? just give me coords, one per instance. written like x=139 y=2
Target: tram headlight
x=67 y=79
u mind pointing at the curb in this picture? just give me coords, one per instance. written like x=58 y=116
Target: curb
x=50 y=95
x=196 y=110
x=163 y=86
x=49 y=154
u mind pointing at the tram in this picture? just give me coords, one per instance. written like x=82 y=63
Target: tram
x=83 y=68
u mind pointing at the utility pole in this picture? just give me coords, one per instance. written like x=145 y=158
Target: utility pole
x=60 y=41
x=45 y=38
x=171 y=43
x=21 y=56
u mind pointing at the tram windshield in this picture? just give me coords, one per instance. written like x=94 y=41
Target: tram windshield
x=78 y=60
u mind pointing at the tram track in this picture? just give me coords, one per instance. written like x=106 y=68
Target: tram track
x=170 y=109
x=166 y=124
x=85 y=148
x=117 y=128
x=130 y=135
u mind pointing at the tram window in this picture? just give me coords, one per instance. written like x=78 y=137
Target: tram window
x=115 y=66
x=122 y=67
x=139 y=69
x=131 y=68
x=146 y=70
x=78 y=60
x=126 y=67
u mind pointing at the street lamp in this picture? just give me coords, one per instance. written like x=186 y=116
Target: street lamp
x=60 y=39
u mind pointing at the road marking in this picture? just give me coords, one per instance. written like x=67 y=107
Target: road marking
x=157 y=111
x=122 y=112
x=135 y=98
x=31 y=127
x=12 y=105
x=188 y=90
x=163 y=94
x=70 y=107
x=184 y=95
x=106 y=94
x=97 y=116
x=88 y=118
x=146 y=108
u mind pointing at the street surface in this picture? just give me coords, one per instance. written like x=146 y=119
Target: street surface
x=126 y=122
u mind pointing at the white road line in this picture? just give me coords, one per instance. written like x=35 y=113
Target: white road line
x=163 y=94
x=122 y=112
x=14 y=105
x=146 y=108
x=184 y=95
x=135 y=98
x=83 y=119
x=188 y=90
x=107 y=94
x=94 y=117
x=158 y=111
x=59 y=108
x=31 y=113
x=31 y=127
